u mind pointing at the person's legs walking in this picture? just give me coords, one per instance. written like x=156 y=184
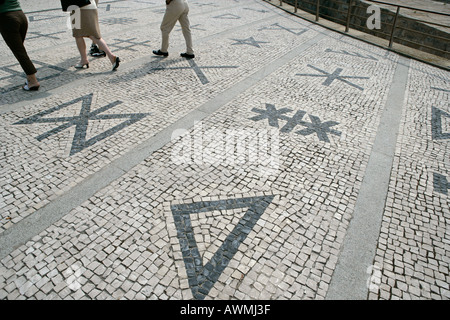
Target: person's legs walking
x=104 y=47
x=170 y=19
x=186 y=29
x=13 y=27
x=81 y=45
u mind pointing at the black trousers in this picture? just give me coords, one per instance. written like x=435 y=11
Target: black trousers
x=14 y=27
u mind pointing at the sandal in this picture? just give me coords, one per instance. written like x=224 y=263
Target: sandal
x=33 y=88
x=116 y=64
x=82 y=66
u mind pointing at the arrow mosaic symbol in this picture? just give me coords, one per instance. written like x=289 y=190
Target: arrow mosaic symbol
x=81 y=122
x=202 y=277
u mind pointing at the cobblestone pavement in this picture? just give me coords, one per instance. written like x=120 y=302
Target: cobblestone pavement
x=284 y=162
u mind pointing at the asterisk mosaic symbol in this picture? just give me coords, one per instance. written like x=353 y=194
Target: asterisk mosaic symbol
x=81 y=122
x=330 y=77
x=271 y=114
x=319 y=128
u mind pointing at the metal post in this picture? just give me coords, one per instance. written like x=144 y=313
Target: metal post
x=317 y=10
x=281 y=3
x=295 y=9
x=349 y=13
x=391 y=40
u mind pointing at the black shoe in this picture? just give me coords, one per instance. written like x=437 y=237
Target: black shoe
x=96 y=52
x=187 y=55
x=93 y=49
x=160 y=53
x=116 y=64
x=99 y=54
x=26 y=87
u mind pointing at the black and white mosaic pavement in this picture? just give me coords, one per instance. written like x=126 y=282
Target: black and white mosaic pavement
x=94 y=203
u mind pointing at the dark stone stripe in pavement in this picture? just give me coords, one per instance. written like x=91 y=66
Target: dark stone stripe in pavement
x=349 y=281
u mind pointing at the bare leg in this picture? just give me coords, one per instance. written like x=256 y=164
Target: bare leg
x=32 y=80
x=81 y=45
x=103 y=46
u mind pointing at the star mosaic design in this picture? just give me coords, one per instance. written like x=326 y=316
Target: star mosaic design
x=277 y=26
x=201 y=278
x=437 y=131
x=81 y=122
x=249 y=41
x=271 y=114
x=353 y=54
x=316 y=126
x=197 y=69
x=440 y=183
x=335 y=75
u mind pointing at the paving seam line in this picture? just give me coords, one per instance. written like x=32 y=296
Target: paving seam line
x=349 y=280
x=43 y=218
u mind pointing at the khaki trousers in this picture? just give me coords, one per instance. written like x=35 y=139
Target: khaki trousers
x=177 y=10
